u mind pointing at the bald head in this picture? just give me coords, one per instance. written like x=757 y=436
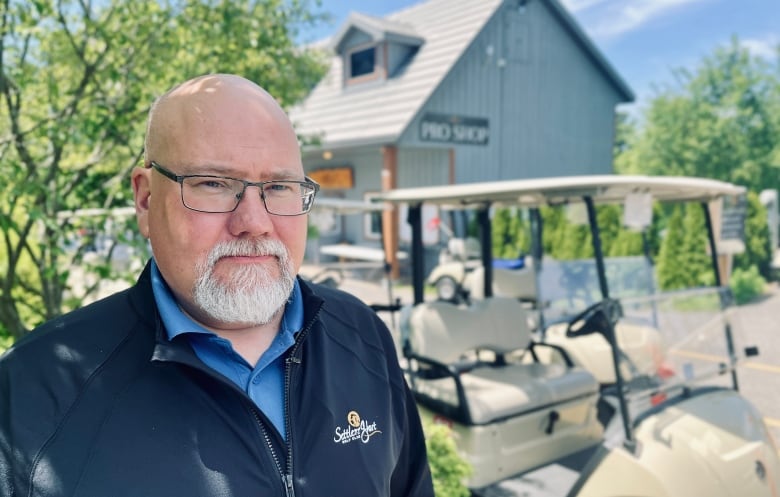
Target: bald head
x=193 y=116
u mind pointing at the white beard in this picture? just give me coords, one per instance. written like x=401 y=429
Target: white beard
x=252 y=294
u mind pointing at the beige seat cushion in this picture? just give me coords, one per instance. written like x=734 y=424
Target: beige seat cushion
x=496 y=393
x=443 y=331
x=448 y=334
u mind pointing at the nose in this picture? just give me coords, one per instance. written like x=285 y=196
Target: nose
x=250 y=218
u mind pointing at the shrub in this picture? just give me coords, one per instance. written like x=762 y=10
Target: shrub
x=746 y=284
x=448 y=468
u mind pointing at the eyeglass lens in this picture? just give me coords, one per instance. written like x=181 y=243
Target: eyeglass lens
x=214 y=194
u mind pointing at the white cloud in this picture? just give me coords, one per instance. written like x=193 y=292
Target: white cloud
x=579 y=5
x=766 y=47
x=608 y=19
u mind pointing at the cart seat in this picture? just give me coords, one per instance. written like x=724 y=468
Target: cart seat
x=481 y=391
x=517 y=283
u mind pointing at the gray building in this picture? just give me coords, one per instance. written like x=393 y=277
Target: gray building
x=457 y=91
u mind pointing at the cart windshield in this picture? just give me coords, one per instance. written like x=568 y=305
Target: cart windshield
x=669 y=340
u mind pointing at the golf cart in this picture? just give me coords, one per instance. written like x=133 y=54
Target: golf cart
x=458 y=276
x=528 y=413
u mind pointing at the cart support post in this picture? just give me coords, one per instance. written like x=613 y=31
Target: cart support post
x=718 y=283
x=418 y=271
x=630 y=443
x=486 y=242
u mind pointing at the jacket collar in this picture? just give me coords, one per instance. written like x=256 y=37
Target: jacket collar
x=142 y=300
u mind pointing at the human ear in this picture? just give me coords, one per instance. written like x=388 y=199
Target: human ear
x=142 y=193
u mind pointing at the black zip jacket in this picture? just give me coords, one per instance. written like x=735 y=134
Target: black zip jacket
x=98 y=403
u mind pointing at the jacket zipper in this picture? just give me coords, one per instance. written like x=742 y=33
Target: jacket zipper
x=287 y=476
x=286 y=482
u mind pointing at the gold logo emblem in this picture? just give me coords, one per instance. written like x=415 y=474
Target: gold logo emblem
x=357 y=429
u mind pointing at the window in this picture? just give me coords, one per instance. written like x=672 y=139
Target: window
x=372 y=221
x=362 y=62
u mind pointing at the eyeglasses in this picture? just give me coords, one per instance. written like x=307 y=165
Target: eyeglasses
x=217 y=194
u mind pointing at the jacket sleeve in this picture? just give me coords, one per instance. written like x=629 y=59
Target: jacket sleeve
x=6 y=449
x=412 y=475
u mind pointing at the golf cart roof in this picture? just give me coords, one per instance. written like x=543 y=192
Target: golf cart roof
x=551 y=191
x=343 y=206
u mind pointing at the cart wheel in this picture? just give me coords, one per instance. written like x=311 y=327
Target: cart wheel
x=447 y=289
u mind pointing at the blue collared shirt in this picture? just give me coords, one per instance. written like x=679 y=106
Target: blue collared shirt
x=264 y=383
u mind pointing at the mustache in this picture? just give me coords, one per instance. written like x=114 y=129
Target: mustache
x=247 y=248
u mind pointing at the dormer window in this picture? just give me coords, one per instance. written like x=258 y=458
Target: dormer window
x=362 y=62
x=374 y=49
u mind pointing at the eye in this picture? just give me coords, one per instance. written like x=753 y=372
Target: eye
x=212 y=184
x=209 y=183
x=280 y=187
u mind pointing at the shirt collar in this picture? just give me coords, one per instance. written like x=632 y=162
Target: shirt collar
x=177 y=322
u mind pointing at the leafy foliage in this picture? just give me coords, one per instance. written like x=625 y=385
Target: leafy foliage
x=564 y=239
x=720 y=120
x=746 y=284
x=76 y=82
x=683 y=261
x=448 y=468
x=758 y=250
x=511 y=234
x=5 y=342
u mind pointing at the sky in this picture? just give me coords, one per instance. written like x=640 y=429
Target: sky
x=644 y=40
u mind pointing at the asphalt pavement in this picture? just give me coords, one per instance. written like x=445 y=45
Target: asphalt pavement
x=758 y=323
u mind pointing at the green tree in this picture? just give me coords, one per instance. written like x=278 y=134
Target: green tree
x=566 y=240
x=670 y=258
x=511 y=233
x=683 y=261
x=76 y=82
x=501 y=236
x=610 y=221
x=719 y=121
x=625 y=133
x=696 y=264
x=758 y=251
x=626 y=243
x=563 y=239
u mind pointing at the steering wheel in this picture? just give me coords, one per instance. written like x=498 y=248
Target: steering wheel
x=600 y=317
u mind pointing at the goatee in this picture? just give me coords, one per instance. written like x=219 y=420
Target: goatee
x=251 y=294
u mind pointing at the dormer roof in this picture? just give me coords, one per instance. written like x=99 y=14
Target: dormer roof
x=377 y=29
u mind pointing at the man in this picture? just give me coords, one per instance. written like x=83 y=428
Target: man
x=219 y=373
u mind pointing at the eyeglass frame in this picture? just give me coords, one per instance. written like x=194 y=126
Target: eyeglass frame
x=179 y=178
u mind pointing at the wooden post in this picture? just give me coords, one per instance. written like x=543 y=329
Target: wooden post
x=452 y=166
x=390 y=217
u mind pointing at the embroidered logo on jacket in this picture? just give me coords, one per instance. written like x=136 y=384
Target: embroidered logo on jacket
x=356 y=429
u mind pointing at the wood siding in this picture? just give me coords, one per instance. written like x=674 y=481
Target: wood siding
x=550 y=108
